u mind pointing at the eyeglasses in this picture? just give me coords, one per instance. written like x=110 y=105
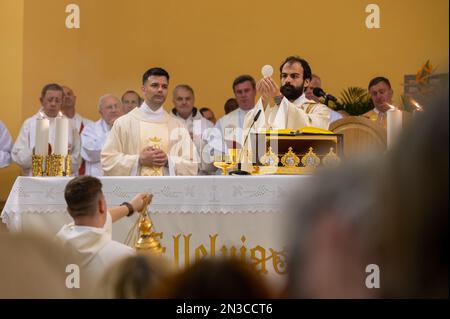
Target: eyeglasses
x=112 y=107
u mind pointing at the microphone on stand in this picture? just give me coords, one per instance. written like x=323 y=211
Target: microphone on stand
x=239 y=170
x=321 y=93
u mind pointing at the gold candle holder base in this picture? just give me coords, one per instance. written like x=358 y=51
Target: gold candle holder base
x=56 y=161
x=48 y=165
x=37 y=162
x=68 y=165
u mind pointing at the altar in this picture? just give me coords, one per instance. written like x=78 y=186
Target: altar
x=195 y=216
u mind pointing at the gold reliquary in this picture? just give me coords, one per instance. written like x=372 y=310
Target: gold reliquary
x=295 y=152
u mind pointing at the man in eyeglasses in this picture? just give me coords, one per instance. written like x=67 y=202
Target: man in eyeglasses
x=287 y=107
x=94 y=135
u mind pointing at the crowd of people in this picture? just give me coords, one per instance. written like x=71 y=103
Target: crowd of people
x=184 y=139
x=389 y=214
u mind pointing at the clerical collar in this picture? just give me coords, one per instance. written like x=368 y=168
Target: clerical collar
x=378 y=111
x=150 y=114
x=41 y=114
x=244 y=111
x=301 y=100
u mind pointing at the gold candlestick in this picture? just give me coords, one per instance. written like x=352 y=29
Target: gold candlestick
x=48 y=165
x=36 y=165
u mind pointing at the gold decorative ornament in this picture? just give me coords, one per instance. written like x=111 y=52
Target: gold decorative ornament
x=310 y=159
x=156 y=142
x=37 y=162
x=224 y=163
x=331 y=159
x=269 y=158
x=147 y=240
x=48 y=165
x=56 y=165
x=289 y=159
x=68 y=165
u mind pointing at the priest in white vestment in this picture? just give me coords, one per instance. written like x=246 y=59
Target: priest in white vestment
x=228 y=131
x=199 y=128
x=68 y=109
x=5 y=146
x=51 y=101
x=148 y=141
x=291 y=110
x=89 y=236
x=94 y=135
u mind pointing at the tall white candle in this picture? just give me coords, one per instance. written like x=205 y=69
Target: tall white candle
x=394 y=126
x=61 y=135
x=41 y=136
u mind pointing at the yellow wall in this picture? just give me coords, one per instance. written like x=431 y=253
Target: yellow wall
x=207 y=43
x=11 y=48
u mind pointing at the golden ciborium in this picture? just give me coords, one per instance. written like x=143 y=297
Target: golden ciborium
x=227 y=161
x=147 y=240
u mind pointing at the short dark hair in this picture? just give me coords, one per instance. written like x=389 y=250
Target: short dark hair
x=230 y=105
x=244 y=78
x=377 y=80
x=131 y=91
x=154 y=72
x=51 y=87
x=307 y=73
x=81 y=195
x=205 y=109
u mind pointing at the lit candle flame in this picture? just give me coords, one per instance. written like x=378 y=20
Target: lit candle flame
x=60 y=114
x=391 y=107
x=417 y=105
x=41 y=114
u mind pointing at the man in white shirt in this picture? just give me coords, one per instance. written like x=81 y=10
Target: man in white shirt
x=89 y=237
x=130 y=100
x=5 y=146
x=68 y=109
x=51 y=101
x=286 y=107
x=198 y=127
x=381 y=93
x=229 y=133
x=148 y=141
x=316 y=82
x=94 y=135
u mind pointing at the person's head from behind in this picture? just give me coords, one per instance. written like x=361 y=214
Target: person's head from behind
x=244 y=89
x=295 y=75
x=51 y=99
x=412 y=222
x=130 y=100
x=314 y=83
x=33 y=266
x=183 y=100
x=135 y=277
x=230 y=105
x=86 y=203
x=216 y=278
x=110 y=108
x=155 y=85
x=328 y=254
x=380 y=92
x=208 y=114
